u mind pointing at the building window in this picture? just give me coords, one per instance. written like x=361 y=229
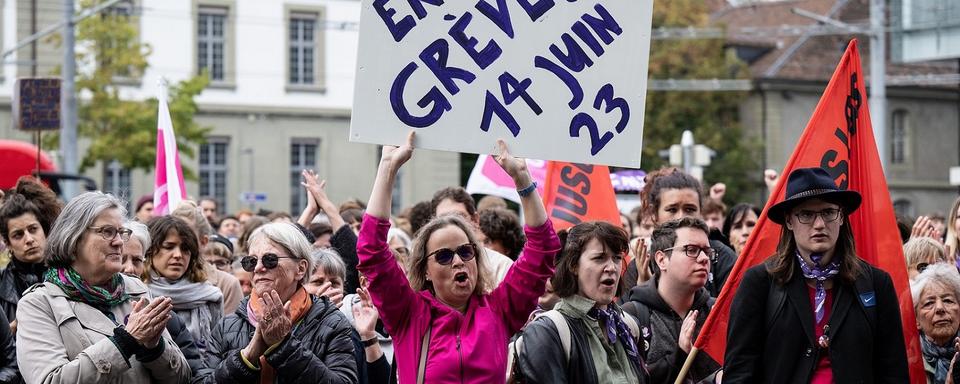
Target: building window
x=213 y=170
x=303 y=155
x=2 y=49
x=898 y=142
x=212 y=42
x=903 y=207
x=303 y=37
x=116 y=181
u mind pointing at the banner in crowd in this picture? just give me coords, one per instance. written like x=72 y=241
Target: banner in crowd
x=558 y=80
x=575 y=193
x=628 y=181
x=168 y=185
x=487 y=178
x=839 y=139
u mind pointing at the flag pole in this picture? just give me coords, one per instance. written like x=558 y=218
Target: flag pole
x=686 y=365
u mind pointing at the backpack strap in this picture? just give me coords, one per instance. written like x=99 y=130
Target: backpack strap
x=563 y=329
x=424 y=346
x=632 y=324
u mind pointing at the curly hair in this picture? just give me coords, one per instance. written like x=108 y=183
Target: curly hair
x=503 y=225
x=666 y=178
x=29 y=196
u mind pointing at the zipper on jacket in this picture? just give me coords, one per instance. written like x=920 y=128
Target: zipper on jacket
x=460 y=354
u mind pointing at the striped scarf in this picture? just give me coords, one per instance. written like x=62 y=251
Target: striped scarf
x=78 y=289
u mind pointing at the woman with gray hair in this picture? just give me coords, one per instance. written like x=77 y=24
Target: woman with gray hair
x=88 y=323
x=135 y=248
x=329 y=273
x=281 y=333
x=936 y=292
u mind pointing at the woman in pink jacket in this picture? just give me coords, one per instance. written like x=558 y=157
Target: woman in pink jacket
x=443 y=303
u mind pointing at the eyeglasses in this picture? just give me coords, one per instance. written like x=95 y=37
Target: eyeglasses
x=109 y=232
x=693 y=251
x=807 y=217
x=444 y=256
x=269 y=260
x=222 y=264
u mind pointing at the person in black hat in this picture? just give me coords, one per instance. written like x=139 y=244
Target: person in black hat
x=815 y=312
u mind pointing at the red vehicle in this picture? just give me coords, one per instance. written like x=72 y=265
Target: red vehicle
x=19 y=158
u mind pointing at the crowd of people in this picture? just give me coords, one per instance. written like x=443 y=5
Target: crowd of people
x=453 y=290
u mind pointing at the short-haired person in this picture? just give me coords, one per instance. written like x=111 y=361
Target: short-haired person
x=26 y=216
x=456 y=201
x=603 y=348
x=175 y=269
x=144 y=211
x=714 y=213
x=921 y=252
x=936 y=301
x=502 y=231
x=89 y=323
x=230 y=227
x=815 y=312
x=674 y=304
x=329 y=272
x=135 y=250
x=281 y=333
x=443 y=302
x=219 y=253
x=210 y=208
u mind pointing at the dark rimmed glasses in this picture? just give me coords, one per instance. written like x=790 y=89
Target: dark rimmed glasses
x=444 y=256
x=693 y=251
x=269 y=260
x=808 y=217
x=109 y=232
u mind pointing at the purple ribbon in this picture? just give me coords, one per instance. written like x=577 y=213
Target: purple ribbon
x=819 y=274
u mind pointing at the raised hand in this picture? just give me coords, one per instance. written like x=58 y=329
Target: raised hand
x=147 y=322
x=315 y=186
x=275 y=320
x=643 y=261
x=686 y=331
x=397 y=156
x=365 y=315
x=770 y=177
x=516 y=168
x=335 y=295
x=717 y=191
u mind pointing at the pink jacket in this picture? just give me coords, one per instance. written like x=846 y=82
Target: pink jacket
x=464 y=348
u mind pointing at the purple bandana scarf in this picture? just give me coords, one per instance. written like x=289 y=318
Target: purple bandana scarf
x=617 y=329
x=819 y=274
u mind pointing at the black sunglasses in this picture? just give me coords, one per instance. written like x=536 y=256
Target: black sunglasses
x=269 y=260
x=444 y=256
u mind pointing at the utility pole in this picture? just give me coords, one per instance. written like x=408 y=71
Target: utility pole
x=68 y=102
x=878 y=75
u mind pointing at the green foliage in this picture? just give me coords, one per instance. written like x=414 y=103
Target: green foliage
x=109 y=56
x=713 y=117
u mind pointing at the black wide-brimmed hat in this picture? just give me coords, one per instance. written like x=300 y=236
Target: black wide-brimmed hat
x=813 y=183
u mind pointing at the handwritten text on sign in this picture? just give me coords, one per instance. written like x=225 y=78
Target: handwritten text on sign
x=37 y=104
x=559 y=79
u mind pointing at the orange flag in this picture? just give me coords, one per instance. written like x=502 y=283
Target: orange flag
x=839 y=139
x=575 y=193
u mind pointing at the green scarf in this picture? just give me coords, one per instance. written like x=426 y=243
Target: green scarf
x=78 y=289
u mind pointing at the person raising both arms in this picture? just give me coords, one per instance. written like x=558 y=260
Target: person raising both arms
x=445 y=325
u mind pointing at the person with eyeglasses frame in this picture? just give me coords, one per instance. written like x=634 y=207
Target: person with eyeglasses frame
x=815 y=312
x=446 y=324
x=672 y=306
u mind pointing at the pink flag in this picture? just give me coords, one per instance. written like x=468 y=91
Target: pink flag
x=168 y=188
x=488 y=178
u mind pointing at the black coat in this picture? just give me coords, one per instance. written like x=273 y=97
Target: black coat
x=9 y=373
x=14 y=280
x=184 y=339
x=345 y=242
x=866 y=340
x=319 y=349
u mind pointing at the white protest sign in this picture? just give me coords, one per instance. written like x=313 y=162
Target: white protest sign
x=557 y=79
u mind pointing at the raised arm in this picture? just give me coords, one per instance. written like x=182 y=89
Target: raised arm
x=517 y=295
x=389 y=288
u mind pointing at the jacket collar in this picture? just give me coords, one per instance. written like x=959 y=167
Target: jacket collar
x=647 y=294
x=89 y=316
